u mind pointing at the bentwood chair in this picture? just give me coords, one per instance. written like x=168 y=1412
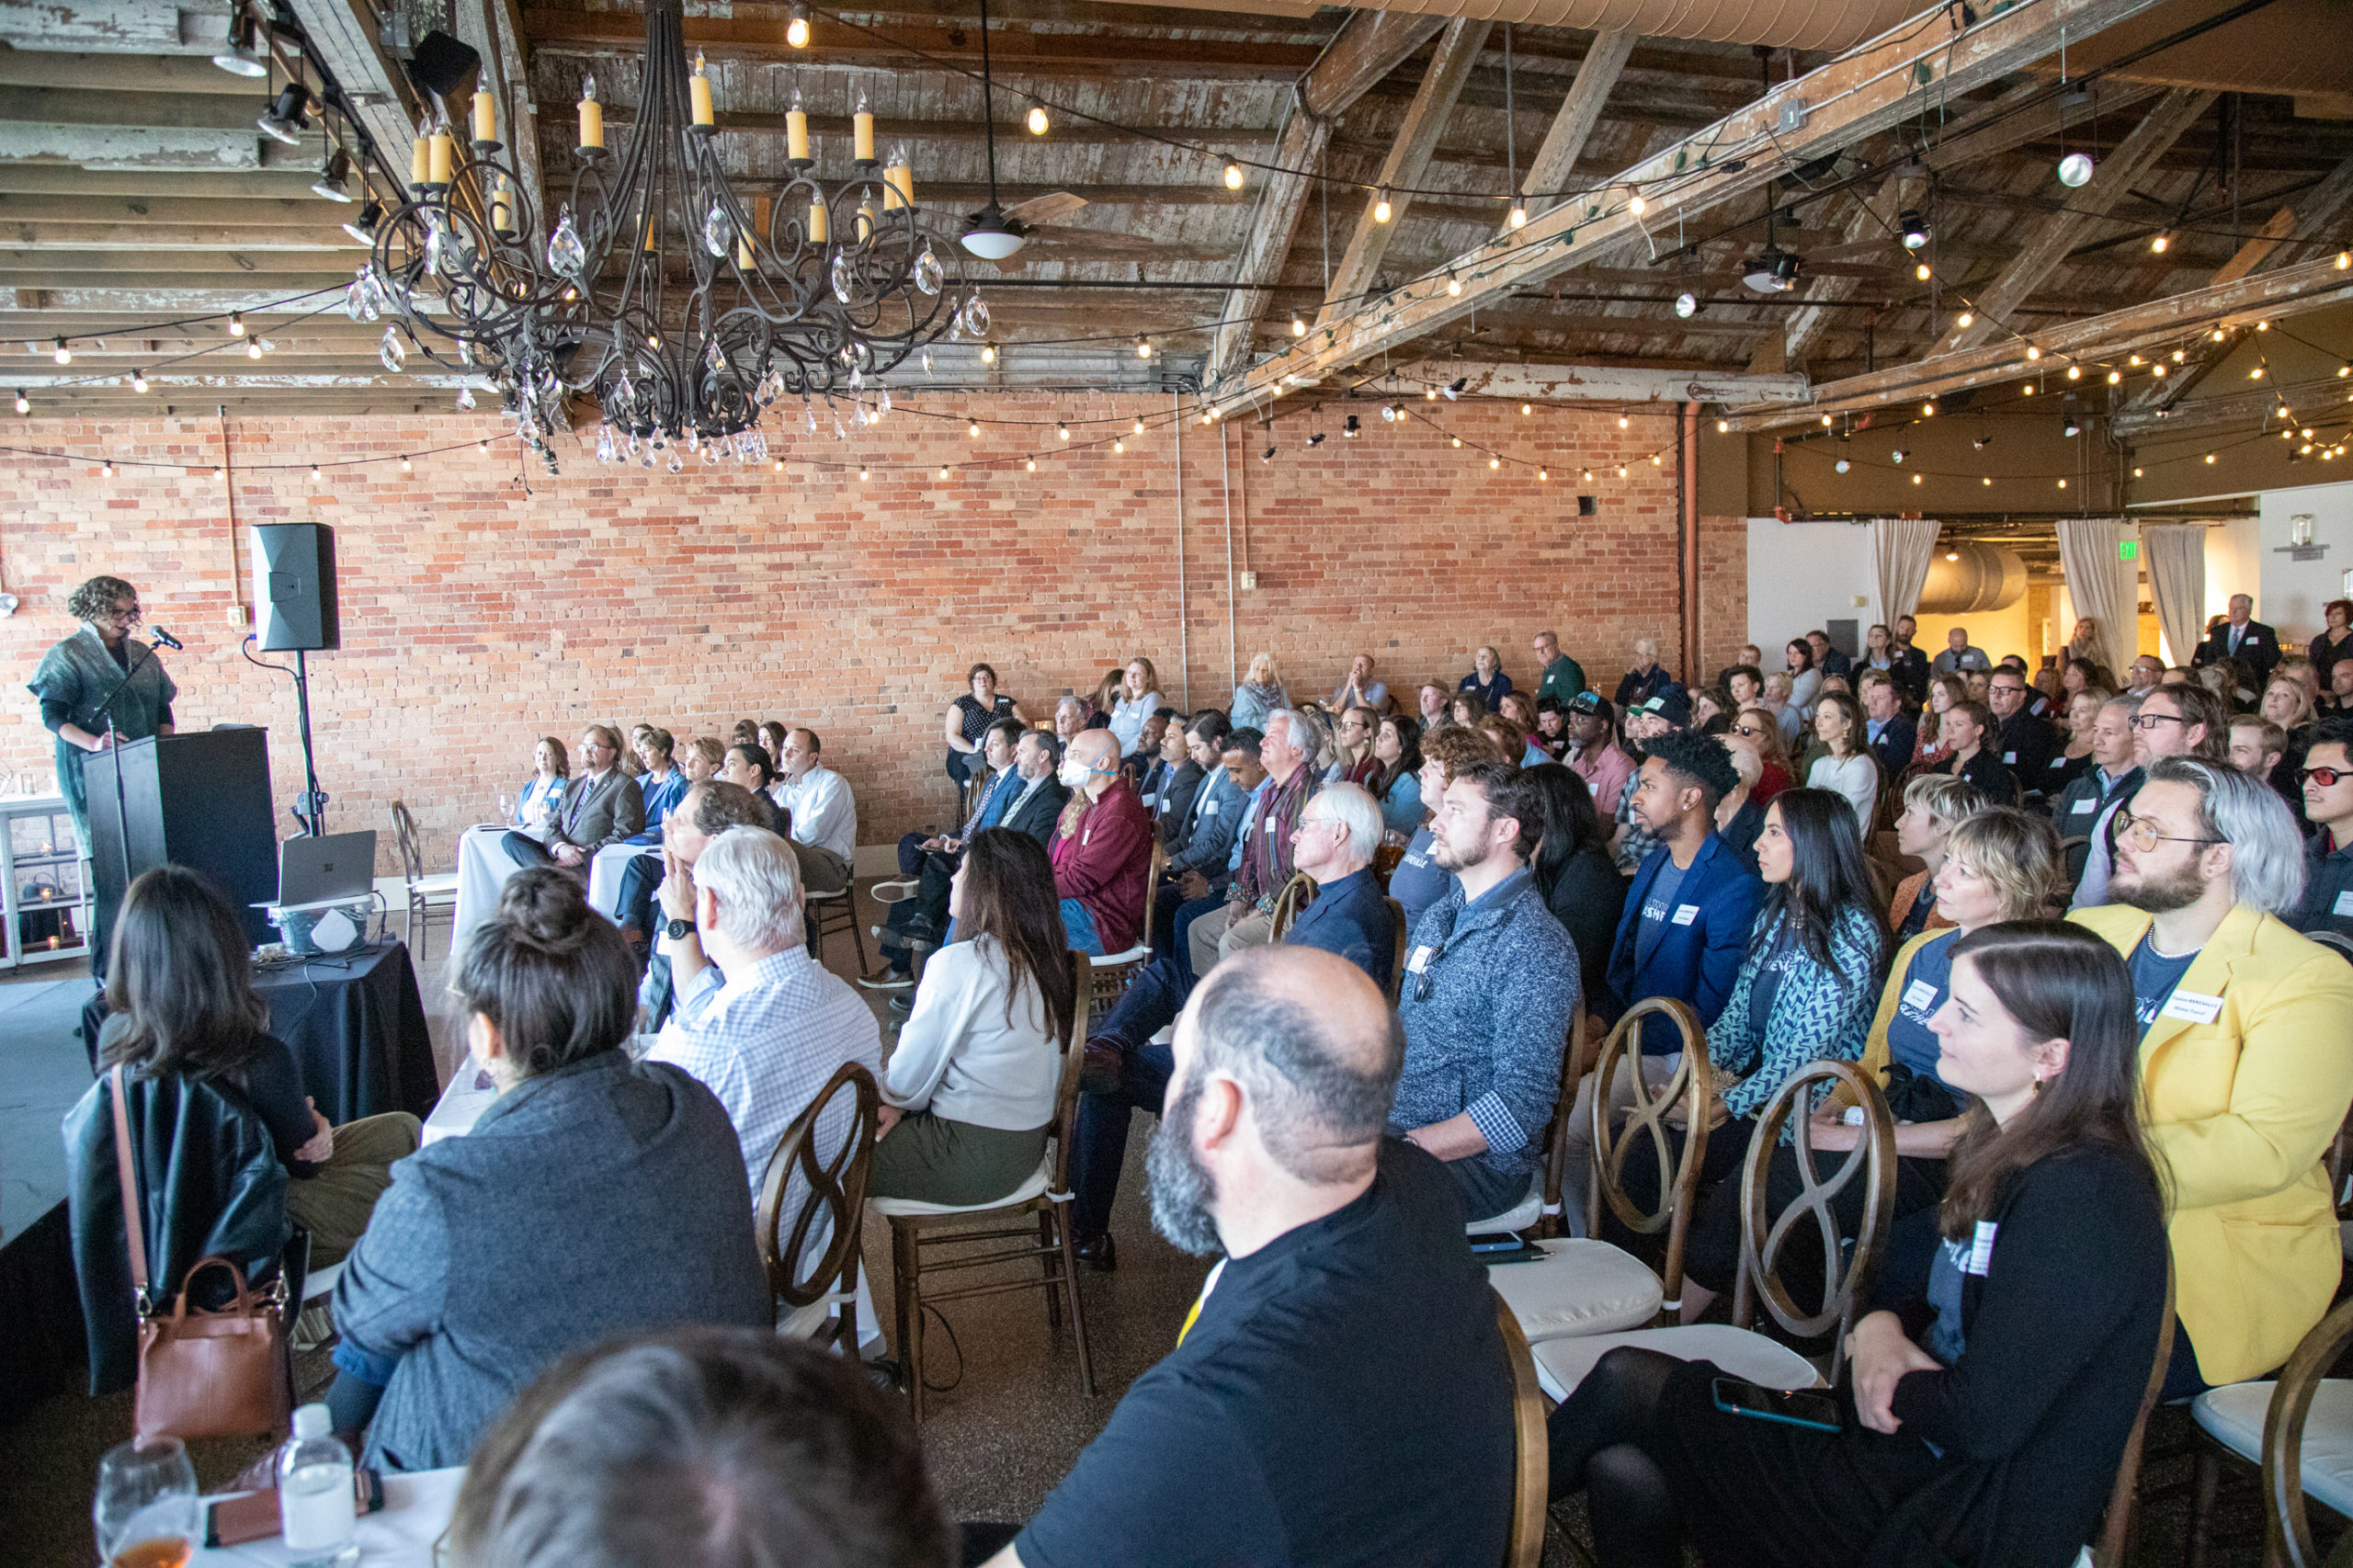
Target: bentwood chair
x=1397 y=959
x=916 y=1226
x=2115 y=1544
x=1111 y=974
x=1562 y=1364
x=1297 y=895
x=1585 y=1285
x=426 y=893
x=1531 y=1447
x=814 y=1281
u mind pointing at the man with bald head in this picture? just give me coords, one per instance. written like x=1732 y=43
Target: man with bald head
x=1102 y=849
x=1338 y=1392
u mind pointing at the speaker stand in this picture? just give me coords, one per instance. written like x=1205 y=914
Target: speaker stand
x=311 y=810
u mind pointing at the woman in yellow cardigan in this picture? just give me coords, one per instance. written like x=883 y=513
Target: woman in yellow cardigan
x=2247 y=1060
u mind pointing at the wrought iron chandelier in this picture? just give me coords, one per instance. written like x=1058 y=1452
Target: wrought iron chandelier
x=683 y=308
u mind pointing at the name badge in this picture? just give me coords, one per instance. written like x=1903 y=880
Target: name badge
x=1153 y=798
x=2195 y=1005
x=1270 y=827
x=2089 y=803
x=1685 y=912
x=2344 y=905
x=1980 y=1248
x=1419 y=961
x=1919 y=995
x=1209 y=808
x=2010 y=759
x=1592 y=788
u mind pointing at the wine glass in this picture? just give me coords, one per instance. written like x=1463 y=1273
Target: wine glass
x=146 y=1513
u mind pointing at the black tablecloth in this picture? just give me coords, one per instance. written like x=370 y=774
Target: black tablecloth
x=356 y=1023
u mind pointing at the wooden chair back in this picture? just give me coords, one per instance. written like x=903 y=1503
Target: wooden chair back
x=2287 y=1528
x=2074 y=854
x=1692 y=1085
x=1297 y=895
x=1531 y=1446
x=1846 y=1277
x=836 y=1191
x=1073 y=1056
x=2337 y=940
x=404 y=832
x=2115 y=1530
x=1397 y=962
x=1150 y=889
x=1576 y=1060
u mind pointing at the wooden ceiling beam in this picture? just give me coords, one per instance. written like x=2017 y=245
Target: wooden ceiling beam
x=1408 y=159
x=141 y=74
x=1554 y=165
x=255 y=213
x=180 y=184
x=2045 y=251
x=1073 y=133
x=1369 y=46
x=146 y=236
x=343 y=38
x=1871 y=89
x=1874 y=218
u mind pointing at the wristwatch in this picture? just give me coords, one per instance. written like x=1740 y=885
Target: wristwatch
x=678 y=930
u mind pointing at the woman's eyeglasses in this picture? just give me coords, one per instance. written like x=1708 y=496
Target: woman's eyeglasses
x=1751 y=730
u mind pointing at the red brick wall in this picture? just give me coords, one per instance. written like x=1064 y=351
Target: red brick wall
x=476 y=616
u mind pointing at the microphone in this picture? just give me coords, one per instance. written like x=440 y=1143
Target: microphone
x=166 y=639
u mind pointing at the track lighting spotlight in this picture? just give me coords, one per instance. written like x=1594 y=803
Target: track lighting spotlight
x=1914 y=228
x=335 y=180
x=1351 y=429
x=289 y=116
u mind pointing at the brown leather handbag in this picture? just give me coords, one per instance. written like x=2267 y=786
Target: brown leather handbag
x=224 y=1374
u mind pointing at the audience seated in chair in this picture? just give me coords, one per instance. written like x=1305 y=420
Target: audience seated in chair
x=707 y=811
x=2024 y=740
x=1418 y=882
x=2328 y=780
x=969 y=1097
x=1070 y=717
x=1433 y=700
x=1996 y=1385
x=536 y=804
x=969 y=716
x=1338 y=830
x=1647 y=678
x=698 y=764
x=1486 y=682
x=1199 y=877
x=1247 y=919
x=2181 y=719
x=1353 y=736
x=1102 y=850
x=1165 y=773
x=660 y=784
x=1201 y=840
x=1396 y=780
x=1339 y=1393
x=822 y=814
x=2244 y=1025
x=716 y=1442
x=228 y=1150
x=749 y=767
x=1967 y=728
x=1594 y=754
x=1020 y=792
x=486 y=1260
x=1490 y=986
x=601 y=807
x=1574 y=872
x=761 y=1024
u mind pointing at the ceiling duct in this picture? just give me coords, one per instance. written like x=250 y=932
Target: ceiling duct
x=1966 y=577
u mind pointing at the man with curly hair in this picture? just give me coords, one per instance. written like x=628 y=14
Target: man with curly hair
x=76 y=675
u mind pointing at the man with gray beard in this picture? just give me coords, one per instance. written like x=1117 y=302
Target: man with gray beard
x=1338 y=1394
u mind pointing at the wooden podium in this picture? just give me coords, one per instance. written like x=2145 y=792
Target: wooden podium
x=200 y=799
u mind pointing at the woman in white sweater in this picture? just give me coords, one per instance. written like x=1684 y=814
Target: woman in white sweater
x=1849 y=769
x=968 y=1092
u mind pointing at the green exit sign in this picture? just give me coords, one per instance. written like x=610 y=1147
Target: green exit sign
x=2127 y=550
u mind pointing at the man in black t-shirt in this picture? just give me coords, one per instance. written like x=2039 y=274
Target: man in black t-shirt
x=1338 y=1394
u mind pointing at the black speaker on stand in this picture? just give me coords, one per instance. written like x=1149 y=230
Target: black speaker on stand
x=295 y=609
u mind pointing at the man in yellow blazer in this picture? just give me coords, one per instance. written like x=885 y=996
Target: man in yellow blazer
x=2247 y=1060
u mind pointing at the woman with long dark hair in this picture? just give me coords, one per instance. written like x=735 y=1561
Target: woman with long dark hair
x=596 y=1198
x=1573 y=870
x=1397 y=746
x=1805 y=681
x=1992 y=1404
x=180 y=999
x=1846 y=767
x=968 y=1094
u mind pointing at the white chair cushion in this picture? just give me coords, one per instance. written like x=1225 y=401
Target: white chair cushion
x=2233 y=1416
x=1518 y=1217
x=1022 y=1194
x=1579 y=1287
x=320 y=1281
x=1562 y=1364
x=1112 y=960
x=803 y=1322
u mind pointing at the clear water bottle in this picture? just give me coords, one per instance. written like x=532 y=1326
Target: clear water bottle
x=317 y=1507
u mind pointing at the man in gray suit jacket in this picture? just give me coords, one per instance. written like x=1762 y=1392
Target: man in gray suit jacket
x=603 y=806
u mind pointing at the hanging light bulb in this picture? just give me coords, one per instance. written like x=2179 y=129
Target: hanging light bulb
x=22 y=407
x=1297 y=326
x=314 y=473
x=406 y=467
x=253 y=348
x=1922 y=273
x=1637 y=205
x=1380 y=211
x=1232 y=175
x=796 y=31
x=973 y=429
x=988 y=353
x=1037 y=122
x=1966 y=318
x=236 y=324
x=1143 y=346
x=138 y=381
x=1061 y=431
x=1526 y=409
x=1118 y=446
x=106 y=468
x=2032 y=352
x=62 y=354
x=1453 y=284
x=1033 y=465
x=2160 y=242
x=1519 y=217
x=1494 y=462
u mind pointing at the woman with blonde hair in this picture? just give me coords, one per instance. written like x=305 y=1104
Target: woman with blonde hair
x=1933 y=805
x=1138 y=700
x=1260 y=693
x=1758 y=731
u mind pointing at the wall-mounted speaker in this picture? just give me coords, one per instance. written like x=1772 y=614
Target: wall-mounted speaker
x=294 y=588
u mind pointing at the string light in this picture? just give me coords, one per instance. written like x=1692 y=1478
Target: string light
x=1453 y=284
x=1064 y=430
x=1723 y=427
x=63 y=355
x=1526 y=409
x=406 y=467
x=2159 y=243
x=1636 y=205
x=106 y=468
x=861 y=473
x=2074 y=373
x=973 y=429
x=1297 y=326
x=943 y=471
x=1922 y=272
x=1033 y=465
x=236 y=324
x=988 y=353
x=1138 y=428
x=1458 y=440
x=1038 y=123
x=253 y=348
x=1966 y=318
x=1232 y=175
x=1380 y=211
x=1118 y=446
x=1622 y=421
x=1519 y=219
x=138 y=381
x=1143 y=346
x=314 y=473
x=796 y=31
x=2032 y=352
x=1542 y=475
x=22 y=407
x=1494 y=462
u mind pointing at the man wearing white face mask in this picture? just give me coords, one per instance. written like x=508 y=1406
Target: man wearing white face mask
x=1102 y=850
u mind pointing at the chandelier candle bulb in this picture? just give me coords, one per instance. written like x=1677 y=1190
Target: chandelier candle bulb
x=796 y=131
x=898 y=180
x=698 y=93
x=862 y=134
x=819 y=229
x=420 y=157
x=592 y=118
x=485 y=117
x=743 y=260
x=440 y=155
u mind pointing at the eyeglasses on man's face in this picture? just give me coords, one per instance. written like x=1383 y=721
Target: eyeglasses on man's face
x=2151 y=721
x=2141 y=835
x=2326 y=777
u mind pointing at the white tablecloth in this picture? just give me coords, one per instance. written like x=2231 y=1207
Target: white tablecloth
x=400 y=1535
x=484 y=867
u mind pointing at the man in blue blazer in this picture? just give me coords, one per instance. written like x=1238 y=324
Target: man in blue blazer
x=1891 y=730
x=1339 y=828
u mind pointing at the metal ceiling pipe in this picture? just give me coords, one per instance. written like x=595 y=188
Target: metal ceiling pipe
x=1792 y=24
x=1969 y=577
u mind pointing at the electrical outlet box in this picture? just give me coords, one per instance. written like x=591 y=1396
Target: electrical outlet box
x=238 y=616
x=1793 y=116
x=1249 y=580
x=1862 y=600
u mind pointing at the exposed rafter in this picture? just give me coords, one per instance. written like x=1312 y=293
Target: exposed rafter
x=1557 y=160
x=1589 y=383
x=1409 y=160
x=1874 y=218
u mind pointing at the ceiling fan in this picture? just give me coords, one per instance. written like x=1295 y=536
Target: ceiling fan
x=996 y=232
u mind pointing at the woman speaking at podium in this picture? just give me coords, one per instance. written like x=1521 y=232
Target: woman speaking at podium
x=76 y=675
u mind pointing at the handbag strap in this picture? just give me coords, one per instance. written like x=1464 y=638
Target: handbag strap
x=134 y=1231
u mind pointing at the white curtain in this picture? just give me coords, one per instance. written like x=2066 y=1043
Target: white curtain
x=2178 y=583
x=1902 y=548
x=2104 y=586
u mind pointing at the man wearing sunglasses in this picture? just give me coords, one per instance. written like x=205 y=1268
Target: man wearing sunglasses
x=2328 y=779
x=2247 y=1060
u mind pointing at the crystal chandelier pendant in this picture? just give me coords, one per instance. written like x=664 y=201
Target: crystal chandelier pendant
x=634 y=443
x=809 y=415
x=883 y=402
x=975 y=319
x=858 y=415
x=466 y=397
x=839 y=434
x=353 y=296
x=841 y=279
x=717 y=231
x=647 y=460
x=714 y=358
x=566 y=253
x=694 y=438
x=926 y=362
x=857 y=377
x=391 y=352
x=929 y=274
x=466 y=353
x=677 y=462
x=604 y=443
